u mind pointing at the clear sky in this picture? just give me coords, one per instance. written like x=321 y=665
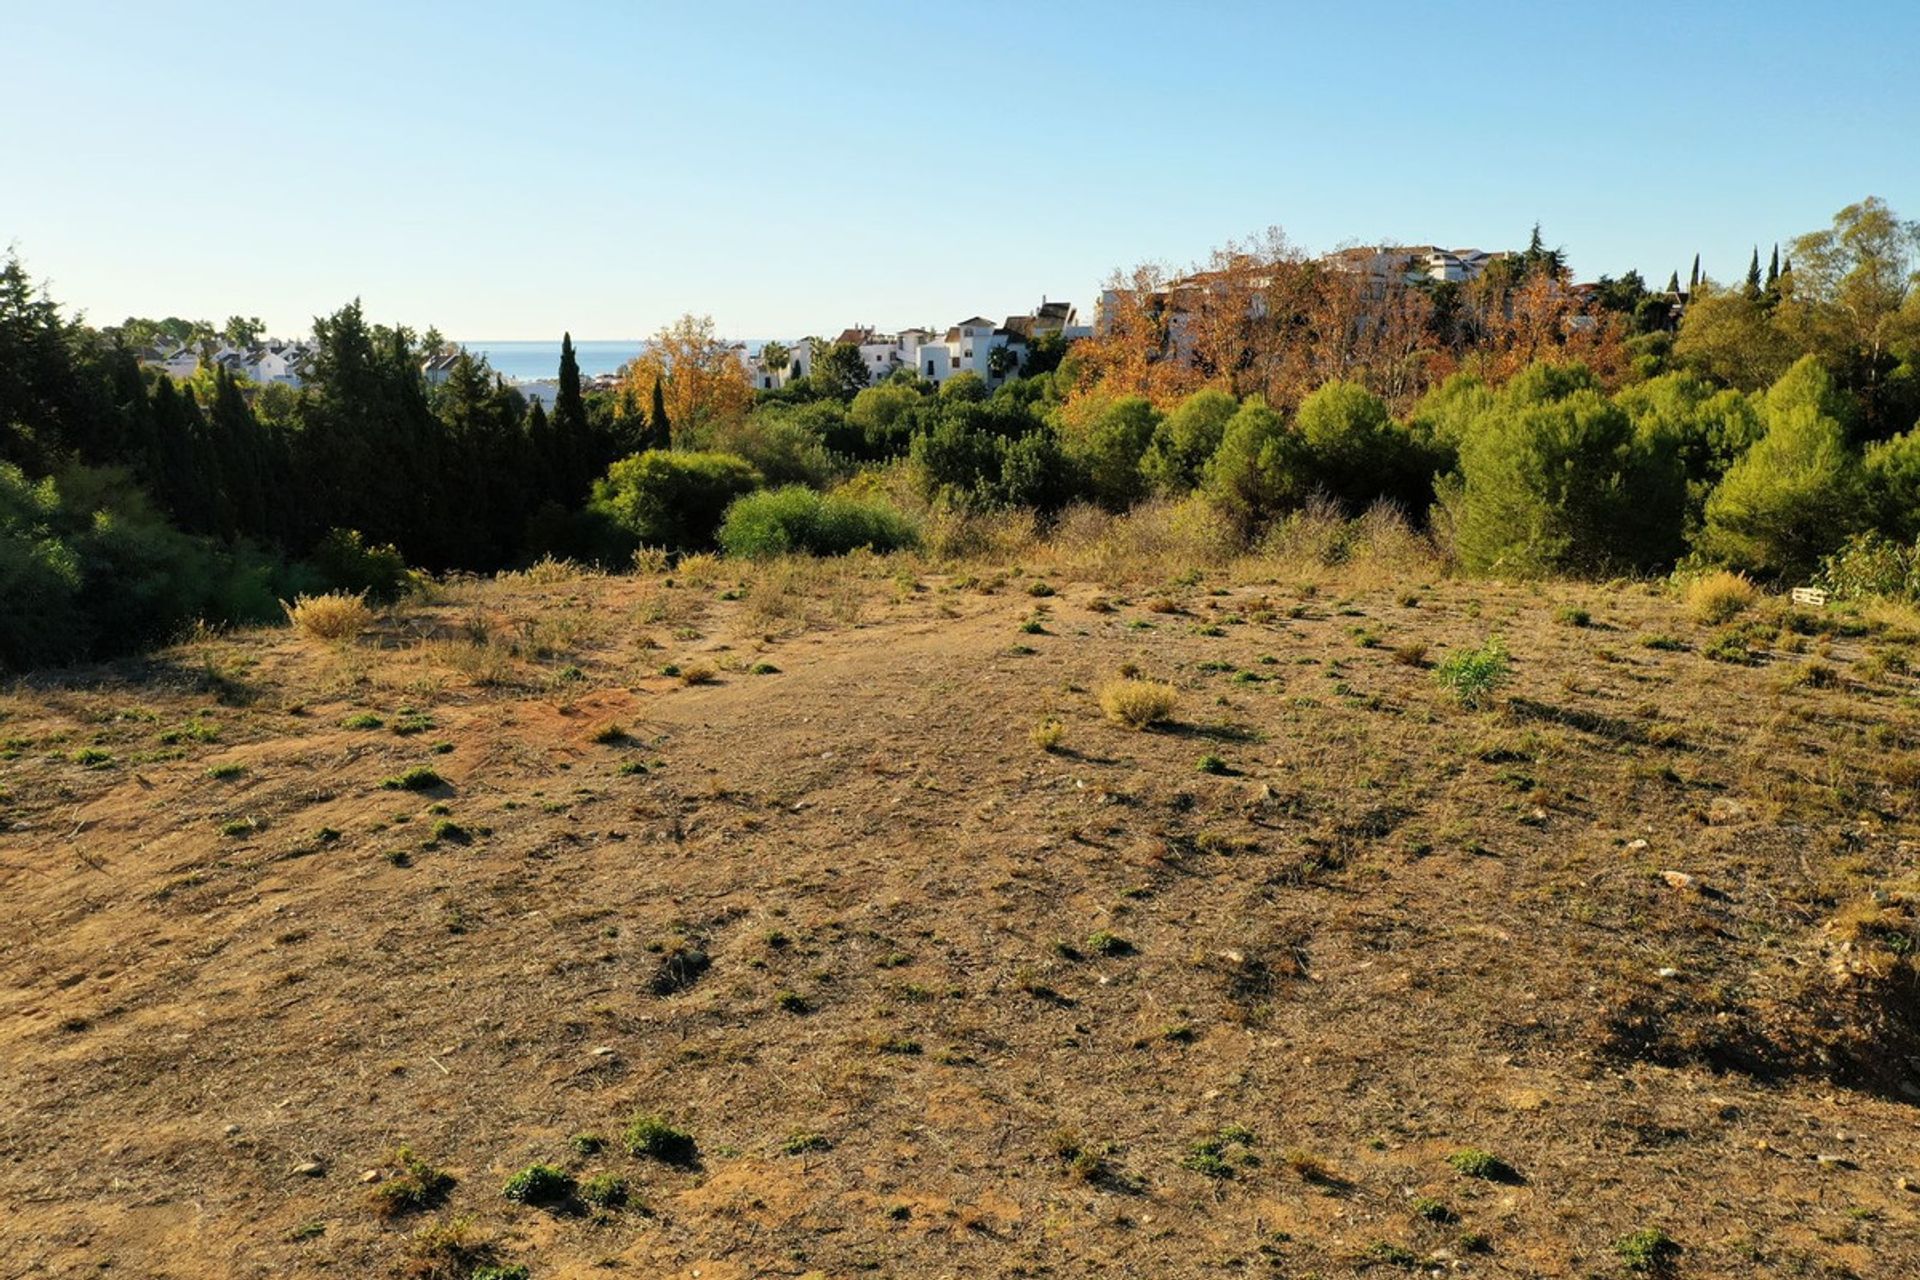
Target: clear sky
x=512 y=170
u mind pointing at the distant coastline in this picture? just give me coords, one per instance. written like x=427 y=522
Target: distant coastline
x=540 y=361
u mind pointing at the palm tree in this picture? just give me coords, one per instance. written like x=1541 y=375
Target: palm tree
x=774 y=358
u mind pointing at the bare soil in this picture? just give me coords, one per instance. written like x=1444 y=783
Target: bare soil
x=935 y=1002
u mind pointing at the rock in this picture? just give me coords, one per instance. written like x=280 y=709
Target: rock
x=371 y=1175
x=603 y=1051
x=1679 y=880
x=1634 y=846
x=231 y=1129
x=308 y=1169
x=1722 y=811
x=1904 y=1183
x=1668 y=973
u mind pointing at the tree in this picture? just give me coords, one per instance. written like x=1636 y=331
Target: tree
x=1693 y=281
x=242 y=331
x=705 y=381
x=659 y=432
x=1798 y=492
x=574 y=459
x=1553 y=479
x=1356 y=453
x=1854 y=300
x=1256 y=474
x=1107 y=445
x=1186 y=438
x=1753 y=276
x=775 y=357
x=1730 y=336
x=838 y=370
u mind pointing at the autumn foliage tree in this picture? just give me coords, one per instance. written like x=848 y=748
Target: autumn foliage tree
x=701 y=380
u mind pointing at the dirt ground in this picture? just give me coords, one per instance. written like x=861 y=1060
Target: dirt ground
x=1228 y=996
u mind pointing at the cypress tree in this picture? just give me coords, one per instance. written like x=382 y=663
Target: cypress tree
x=1753 y=275
x=573 y=462
x=1673 y=283
x=1773 y=268
x=659 y=430
x=1693 y=281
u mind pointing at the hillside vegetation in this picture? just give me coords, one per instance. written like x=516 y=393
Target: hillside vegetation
x=786 y=917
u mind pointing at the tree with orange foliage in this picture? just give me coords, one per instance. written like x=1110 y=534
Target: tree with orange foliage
x=701 y=380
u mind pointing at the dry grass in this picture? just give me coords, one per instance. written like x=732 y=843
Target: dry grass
x=333 y=617
x=1719 y=597
x=1048 y=735
x=1137 y=703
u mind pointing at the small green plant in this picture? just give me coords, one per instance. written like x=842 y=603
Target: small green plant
x=539 y=1184
x=801 y=1141
x=605 y=1191
x=901 y=1046
x=792 y=1002
x=224 y=771
x=651 y=1136
x=1034 y=627
x=451 y=832
x=1039 y=589
x=91 y=757
x=418 y=778
x=1387 y=1254
x=1649 y=1251
x=1221 y=1153
x=1212 y=764
x=410 y=722
x=1475 y=1163
x=587 y=1144
x=611 y=735
x=1432 y=1210
x=1108 y=944
x=417 y=1185
x=1572 y=616
x=763 y=669
x=1662 y=641
x=241 y=827
x=363 y=720
x=1048 y=735
x=1472 y=675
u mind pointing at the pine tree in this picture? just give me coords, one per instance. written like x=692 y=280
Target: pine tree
x=1673 y=283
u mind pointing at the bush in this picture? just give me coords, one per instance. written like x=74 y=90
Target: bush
x=330 y=617
x=1472 y=675
x=1870 y=564
x=539 y=1184
x=348 y=564
x=674 y=500
x=1475 y=1163
x=1137 y=703
x=1649 y=1252
x=798 y=520
x=1186 y=438
x=605 y=1191
x=649 y=1135
x=1717 y=597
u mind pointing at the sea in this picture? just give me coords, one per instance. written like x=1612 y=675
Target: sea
x=540 y=361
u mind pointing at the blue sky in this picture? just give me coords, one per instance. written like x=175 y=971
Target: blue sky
x=507 y=171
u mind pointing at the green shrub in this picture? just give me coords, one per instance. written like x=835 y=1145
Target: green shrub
x=349 y=565
x=674 y=500
x=1870 y=564
x=1475 y=1163
x=799 y=520
x=649 y=1135
x=1650 y=1251
x=418 y=778
x=1472 y=675
x=539 y=1184
x=605 y=1191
